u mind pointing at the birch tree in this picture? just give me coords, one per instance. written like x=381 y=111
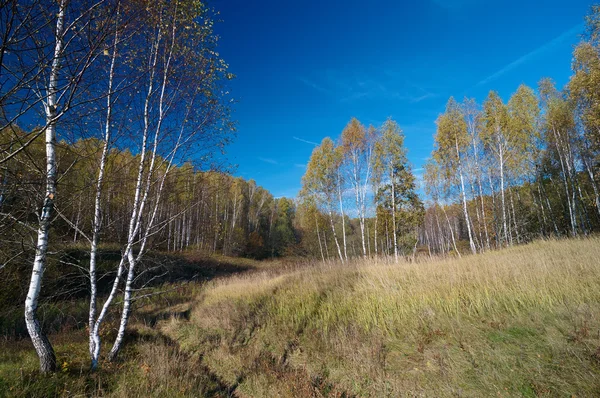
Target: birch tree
x=395 y=179
x=357 y=148
x=451 y=142
x=321 y=182
x=59 y=68
x=495 y=138
x=583 y=87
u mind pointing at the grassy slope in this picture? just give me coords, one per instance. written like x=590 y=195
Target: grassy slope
x=151 y=364
x=519 y=322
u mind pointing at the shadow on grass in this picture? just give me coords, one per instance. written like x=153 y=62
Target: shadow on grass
x=64 y=302
x=148 y=354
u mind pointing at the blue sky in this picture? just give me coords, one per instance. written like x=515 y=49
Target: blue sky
x=305 y=68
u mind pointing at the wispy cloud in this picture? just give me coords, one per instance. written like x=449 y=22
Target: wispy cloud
x=305 y=141
x=300 y=165
x=314 y=85
x=423 y=97
x=267 y=160
x=366 y=85
x=533 y=54
x=453 y=4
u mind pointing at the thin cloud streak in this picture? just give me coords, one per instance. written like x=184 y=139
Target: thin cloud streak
x=314 y=85
x=305 y=141
x=527 y=57
x=454 y=4
x=366 y=86
x=267 y=160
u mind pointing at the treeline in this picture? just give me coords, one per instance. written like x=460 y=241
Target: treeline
x=210 y=211
x=359 y=195
x=522 y=169
x=501 y=173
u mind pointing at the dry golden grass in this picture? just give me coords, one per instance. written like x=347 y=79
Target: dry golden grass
x=524 y=321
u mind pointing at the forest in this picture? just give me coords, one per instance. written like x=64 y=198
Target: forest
x=115 y=117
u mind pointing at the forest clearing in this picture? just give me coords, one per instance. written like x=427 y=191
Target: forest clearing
x=517 y=322
x=206 y=198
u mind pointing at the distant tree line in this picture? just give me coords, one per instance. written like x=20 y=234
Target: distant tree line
x=359 y=197
x=501 y=173
x=506 y=173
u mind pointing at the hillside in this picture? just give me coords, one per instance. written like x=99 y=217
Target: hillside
x=518 y=322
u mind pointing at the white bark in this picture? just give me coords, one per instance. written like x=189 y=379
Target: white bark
x=40 y=341
x=319 y=238
x=501 y=158
x=134 y=221
x=464 y=200
x=343 y=216
x=335 y=236
x=94 y=335
x=394 y=225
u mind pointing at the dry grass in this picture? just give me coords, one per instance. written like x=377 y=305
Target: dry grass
x=519 y=322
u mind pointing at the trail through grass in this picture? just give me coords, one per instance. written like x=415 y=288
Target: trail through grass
x=524 y=321
x=519 y=322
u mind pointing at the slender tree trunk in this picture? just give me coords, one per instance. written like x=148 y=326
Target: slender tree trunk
x=343 y=216
x=41 y=343
x=140 y=197
x=514 y=217
x=325 y=243
x=319 y=238
x=335 y=236
x=562 y=160
x=375 y=232
x=504 y=221
x=592 y=182
x=451 y=233
x=480 y=186
x=393 y=198
x=464 y=200
x=78 y=218
x=368 y=240
x=94 y=336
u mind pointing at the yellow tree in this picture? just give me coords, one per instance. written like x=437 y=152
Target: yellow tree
x=584 y=91
x=396 y=182
x=495 y=136
x=357 y=149
x=451 y=143
x=523 y=125
x=559 y=135
x=321 y=181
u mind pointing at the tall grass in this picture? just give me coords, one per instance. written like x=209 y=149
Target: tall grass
x=521 y=321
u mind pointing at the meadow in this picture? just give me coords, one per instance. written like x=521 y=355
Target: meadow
x=523 y=321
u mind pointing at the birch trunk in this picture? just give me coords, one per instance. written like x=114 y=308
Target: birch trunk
x=319 y=238
x=41 y=343
x=94 y=336
x=335 y=236
x=343 y=217
x=464 y=200
x=594 y=186
x=134 y=221
x=133 y=261
x=504 y=222
x=375 y=233
x=394 y=213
